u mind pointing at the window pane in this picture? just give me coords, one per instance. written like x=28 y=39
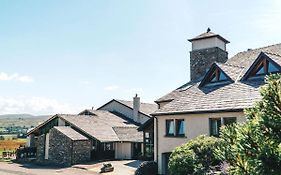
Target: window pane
x=213 y=78
x=272 y=68
x=170 y=127
x=180 y=127
x=215 y=125
x=260 y=71
x=147 y=135
x=222 y=76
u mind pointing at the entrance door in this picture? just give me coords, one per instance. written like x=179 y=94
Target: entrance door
x=165 y=162
x=136 y=150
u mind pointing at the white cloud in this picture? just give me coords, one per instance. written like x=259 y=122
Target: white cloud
x=22 y=78
x=34 y=105
x=111 y=88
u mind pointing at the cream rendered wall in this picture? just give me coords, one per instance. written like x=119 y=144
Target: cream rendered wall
x=123 y=151
x=208 y=43
x=195 y=125
x=115 y=106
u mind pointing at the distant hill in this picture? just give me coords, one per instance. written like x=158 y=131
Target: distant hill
x=22 y=116
x=22 y=120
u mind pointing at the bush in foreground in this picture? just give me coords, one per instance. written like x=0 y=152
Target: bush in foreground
x=195 y=157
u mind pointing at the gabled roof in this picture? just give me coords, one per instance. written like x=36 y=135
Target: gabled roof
x=190 y=98
x=262 y=56
x=145 y=108
x=214 y=67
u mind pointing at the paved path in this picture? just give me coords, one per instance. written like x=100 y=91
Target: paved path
x=126 y=167
x=27 y=169
x=121 y=167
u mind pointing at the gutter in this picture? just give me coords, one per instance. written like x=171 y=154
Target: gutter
x=198 y=112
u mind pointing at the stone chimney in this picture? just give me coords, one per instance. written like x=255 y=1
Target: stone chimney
x=136 y=107
x=207 y=48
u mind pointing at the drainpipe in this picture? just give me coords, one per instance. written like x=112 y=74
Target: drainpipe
x=156 y=134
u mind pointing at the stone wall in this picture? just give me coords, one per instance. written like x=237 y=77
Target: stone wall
x=81 y=151
x=201 y=60
x=60 y=152
x=41 y=149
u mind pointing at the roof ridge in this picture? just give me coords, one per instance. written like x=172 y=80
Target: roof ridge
x=259 y=48
x=133 y=101
x=124 y=127
x=272 y=53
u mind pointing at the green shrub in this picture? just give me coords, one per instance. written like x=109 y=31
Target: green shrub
x=255 y=147
x=182 y=161
x=195 y=157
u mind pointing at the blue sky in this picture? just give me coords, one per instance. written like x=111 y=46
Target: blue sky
x=64 y=56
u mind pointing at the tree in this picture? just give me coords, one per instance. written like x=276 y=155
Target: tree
x=255 y=147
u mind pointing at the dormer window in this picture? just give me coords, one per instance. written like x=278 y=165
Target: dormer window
x=215 y=75
x=265 y=67
x=262 y=66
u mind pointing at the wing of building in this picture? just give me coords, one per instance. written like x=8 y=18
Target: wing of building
x=110 y=132
x=219 y=90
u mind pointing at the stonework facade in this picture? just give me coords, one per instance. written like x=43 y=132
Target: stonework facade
x=202 y=59
x=60 y=148
x=63 y=151
x=81 y=151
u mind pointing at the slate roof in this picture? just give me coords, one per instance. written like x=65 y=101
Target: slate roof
x=70 y=133
x=208 y=34
x=146 y=108
x=232 y=96
x=100 y=125
x=128 y=134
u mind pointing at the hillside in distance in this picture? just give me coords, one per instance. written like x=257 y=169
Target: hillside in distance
x=22 y=120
